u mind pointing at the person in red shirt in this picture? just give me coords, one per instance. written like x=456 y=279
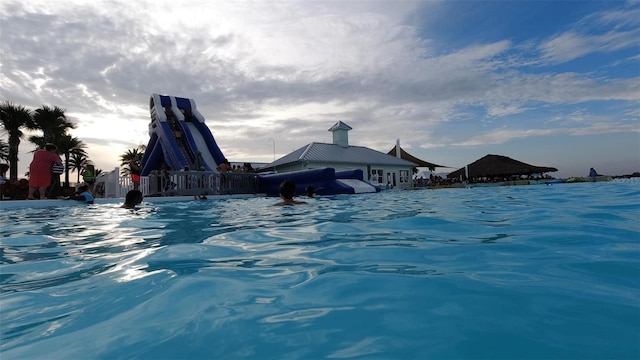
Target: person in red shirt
x=40 y=170
x=134 y=170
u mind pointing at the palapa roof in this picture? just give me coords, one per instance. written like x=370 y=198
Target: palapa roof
x=419 y=162
x=498 y=165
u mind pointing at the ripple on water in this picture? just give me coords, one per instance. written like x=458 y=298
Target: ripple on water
x=511 y=272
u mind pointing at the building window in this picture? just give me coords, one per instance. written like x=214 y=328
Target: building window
x=377 y=176
x=404 y=176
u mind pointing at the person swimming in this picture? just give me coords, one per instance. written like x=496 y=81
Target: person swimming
x=287 y=190
x=133 y=198
x=310 y=192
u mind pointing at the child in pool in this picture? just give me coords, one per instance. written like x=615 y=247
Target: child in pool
x=133 y=198
x=287 y=190
x=310 y=192
x=83 y=194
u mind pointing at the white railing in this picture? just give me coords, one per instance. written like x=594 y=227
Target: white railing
x=177 y=183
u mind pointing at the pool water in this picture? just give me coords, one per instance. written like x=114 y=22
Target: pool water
x=527 y=272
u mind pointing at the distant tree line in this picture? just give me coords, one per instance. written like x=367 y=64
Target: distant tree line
x=53 y=124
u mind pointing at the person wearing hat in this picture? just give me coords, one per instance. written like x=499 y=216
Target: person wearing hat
x=40 y=170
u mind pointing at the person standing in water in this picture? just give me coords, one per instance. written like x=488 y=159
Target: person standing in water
x=134 y=170
x=40 y=170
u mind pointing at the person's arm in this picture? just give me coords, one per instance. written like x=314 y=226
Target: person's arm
x=72 y=197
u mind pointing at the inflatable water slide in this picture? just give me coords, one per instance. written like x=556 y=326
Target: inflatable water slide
x=178 y=137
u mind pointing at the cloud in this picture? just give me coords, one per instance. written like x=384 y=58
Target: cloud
x=604 y=128
x=502 y=136
x=624 y=17
x=289 y=70
x=600 y=32
x=569 y=46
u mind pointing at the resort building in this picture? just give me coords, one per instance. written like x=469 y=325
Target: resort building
x=379 y=168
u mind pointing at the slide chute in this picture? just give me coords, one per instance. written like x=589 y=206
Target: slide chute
x=179 y=137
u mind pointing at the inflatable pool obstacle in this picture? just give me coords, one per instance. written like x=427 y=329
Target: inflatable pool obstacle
x=324 y=181
x=598 y=178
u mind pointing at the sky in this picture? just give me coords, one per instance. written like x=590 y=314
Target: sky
x=549 y=83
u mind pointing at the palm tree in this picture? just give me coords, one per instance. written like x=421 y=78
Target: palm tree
x=68 y=145
x=14 y=118
x=4 y=150
x=77 y=162
x=52 y=121
x=38 y=141
x=125 y=159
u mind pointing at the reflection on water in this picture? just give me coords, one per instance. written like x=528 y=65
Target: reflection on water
x=485 y=272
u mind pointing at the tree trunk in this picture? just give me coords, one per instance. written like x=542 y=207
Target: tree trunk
x=14 y=142
x=46 y=135
x=66 y=170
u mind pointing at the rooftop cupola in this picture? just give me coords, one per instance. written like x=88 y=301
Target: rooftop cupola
x=340 y=134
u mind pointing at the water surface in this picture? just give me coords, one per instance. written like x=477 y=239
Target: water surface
x=534 y=272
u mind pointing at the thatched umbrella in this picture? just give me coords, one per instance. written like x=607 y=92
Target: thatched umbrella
x=498 y=165
x=420 y=163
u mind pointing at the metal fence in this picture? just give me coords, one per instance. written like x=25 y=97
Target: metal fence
x=178 y=183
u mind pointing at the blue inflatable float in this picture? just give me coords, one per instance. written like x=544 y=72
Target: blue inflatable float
x=324 y=181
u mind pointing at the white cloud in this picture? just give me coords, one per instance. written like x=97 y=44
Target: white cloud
x=600 y=32
x=571 y=45
x=504 y=110
x=604 y=128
